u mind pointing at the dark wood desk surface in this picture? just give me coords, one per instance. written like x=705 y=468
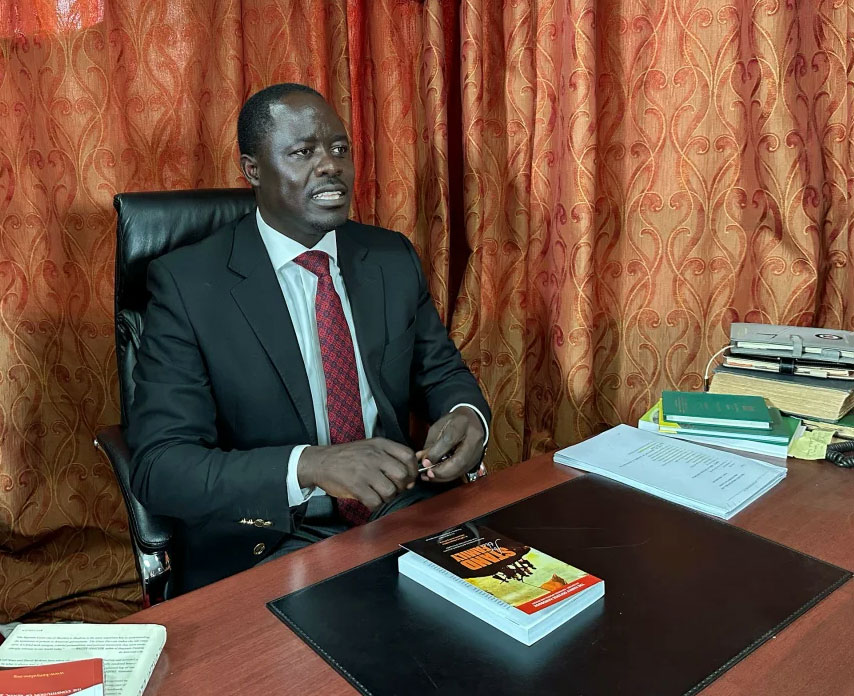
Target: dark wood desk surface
x=222 y=639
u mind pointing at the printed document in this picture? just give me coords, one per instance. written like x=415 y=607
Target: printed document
x=713 y=481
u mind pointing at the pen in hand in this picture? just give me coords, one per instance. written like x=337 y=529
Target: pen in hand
x=433 y=464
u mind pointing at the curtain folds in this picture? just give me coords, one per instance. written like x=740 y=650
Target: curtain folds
x=638 y=175
x=630 y=177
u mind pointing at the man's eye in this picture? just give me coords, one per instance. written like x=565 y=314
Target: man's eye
x=302 y=152
x=341 y=149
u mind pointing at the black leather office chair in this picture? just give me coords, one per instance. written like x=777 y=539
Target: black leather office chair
x=149 y=225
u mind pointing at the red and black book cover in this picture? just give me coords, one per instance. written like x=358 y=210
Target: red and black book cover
x=515 y=573
x=81 y=677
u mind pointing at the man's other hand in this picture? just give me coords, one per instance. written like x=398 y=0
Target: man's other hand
x=371 y=471
x=454 y=445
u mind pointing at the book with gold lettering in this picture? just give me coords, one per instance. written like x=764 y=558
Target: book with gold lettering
x=511 y=586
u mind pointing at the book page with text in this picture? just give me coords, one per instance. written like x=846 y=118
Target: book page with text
x=129 y=651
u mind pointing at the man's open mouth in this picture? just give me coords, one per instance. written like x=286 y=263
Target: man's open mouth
x=328 y=195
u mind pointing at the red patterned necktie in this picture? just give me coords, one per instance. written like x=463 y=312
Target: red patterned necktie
x=343 y=403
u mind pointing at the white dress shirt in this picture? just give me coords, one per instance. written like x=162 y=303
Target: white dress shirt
x=299 y=288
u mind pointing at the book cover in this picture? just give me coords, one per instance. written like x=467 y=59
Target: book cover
x=833 y=346
x=128 y=651
x=649 y=421
x=783 y=428
x=789 y=366
x=781 y=431
x=844 y=427
x=652 y=421
x=838 y=385
x=511 y=572
x=716 y=409
x=808 y=397
x=81 y=677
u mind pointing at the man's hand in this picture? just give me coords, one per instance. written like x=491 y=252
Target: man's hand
x=371 y=471
x=458 y=436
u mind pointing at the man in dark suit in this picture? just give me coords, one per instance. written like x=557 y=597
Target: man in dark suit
x=282 y=357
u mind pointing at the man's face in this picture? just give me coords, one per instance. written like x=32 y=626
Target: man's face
x=303 y=171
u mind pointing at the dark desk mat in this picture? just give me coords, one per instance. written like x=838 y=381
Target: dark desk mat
x=686 y=597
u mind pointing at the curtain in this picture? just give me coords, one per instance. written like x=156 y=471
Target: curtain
x=99 y=97
x=638 y=175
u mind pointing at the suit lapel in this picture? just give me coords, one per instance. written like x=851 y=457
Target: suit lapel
x=259 y=297
x=364 y=282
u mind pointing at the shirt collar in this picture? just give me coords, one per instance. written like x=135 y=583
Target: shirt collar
x=282 y=250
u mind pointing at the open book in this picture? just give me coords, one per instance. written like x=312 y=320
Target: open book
x=129 y=651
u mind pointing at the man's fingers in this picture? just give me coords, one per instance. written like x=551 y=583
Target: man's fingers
x=384 y=488
x=369 y=498
x=447 y=470
x=463 y=459
x=444 y=435
x=400 y=452
x=397 y=473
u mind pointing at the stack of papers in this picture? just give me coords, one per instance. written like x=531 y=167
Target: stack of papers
x=711 y=481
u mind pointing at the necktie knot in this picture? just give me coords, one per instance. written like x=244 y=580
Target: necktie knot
x=315 y=261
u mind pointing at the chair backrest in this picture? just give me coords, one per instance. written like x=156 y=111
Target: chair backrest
x=150 y=224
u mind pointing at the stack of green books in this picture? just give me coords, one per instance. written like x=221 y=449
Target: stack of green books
x=744 y=423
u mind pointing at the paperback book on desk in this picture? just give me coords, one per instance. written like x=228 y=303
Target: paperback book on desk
x=515 y=588
x=773 y=442
x=126 y=652
x=721 y=410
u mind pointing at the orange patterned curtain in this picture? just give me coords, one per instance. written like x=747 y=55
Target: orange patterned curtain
x=640 y=174
x=101 y=97
x=23 y=18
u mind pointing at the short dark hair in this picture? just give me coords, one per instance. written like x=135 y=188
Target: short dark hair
x=255 y=119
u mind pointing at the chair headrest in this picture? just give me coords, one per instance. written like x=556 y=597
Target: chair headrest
x=152 y=223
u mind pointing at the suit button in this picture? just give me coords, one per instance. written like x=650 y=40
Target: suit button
x=259 y=548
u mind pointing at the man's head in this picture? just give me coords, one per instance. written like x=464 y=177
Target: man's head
x=295 y=153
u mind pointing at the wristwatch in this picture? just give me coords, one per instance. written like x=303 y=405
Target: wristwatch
x=475 y=474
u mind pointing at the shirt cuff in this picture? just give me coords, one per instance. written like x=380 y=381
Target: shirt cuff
x=482 y=420
x=296 y=495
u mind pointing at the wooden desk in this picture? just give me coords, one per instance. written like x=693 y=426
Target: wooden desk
x=222 y=638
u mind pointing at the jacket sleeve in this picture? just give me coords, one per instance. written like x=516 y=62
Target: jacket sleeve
x=177 y=469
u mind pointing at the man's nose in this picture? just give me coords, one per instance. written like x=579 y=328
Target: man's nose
x=328 y=164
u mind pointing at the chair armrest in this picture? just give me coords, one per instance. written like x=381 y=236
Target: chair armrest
x=151 y=532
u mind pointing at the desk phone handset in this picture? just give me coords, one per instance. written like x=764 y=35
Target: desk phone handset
x=841 y=454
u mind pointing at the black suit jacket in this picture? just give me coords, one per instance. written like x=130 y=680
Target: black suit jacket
x=222 y=396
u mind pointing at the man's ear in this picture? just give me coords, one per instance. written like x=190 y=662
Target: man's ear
x=249 y=167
